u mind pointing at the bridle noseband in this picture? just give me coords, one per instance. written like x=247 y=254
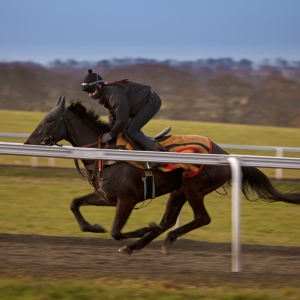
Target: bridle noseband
x=48 y=141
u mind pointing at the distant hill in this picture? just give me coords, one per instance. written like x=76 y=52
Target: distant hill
x=216 y=90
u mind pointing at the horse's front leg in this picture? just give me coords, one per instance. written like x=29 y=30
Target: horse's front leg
x=90 y=199
x=123 y=211
x=174 y=205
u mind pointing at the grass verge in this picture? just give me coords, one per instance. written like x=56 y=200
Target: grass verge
x=99 y=289
x=36 y=201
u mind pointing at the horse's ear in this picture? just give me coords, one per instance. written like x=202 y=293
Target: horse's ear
x=58 y=101
x=61 y=103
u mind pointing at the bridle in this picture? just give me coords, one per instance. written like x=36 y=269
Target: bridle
x=48 y=141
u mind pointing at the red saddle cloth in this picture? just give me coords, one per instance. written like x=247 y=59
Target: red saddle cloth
x=176 y=143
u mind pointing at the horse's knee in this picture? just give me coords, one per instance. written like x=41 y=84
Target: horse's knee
x=74 y=204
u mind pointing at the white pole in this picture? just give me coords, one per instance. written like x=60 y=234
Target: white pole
x=51 y=162
x=235 y=213
x=278 y=172
x=34 y=161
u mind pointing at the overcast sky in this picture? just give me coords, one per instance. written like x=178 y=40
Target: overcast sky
x=45 y=30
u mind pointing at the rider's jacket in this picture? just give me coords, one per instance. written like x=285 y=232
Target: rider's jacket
x=123 y=102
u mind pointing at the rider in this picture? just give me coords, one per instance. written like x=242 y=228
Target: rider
x=124 y=99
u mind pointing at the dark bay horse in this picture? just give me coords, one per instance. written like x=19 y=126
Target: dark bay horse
x=123 y=188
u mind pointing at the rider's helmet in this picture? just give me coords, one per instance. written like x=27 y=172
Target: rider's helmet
x=91 y=81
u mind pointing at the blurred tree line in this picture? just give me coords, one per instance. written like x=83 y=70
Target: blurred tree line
x=213 y=90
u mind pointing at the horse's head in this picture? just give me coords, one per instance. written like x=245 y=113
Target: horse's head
x=52 y=128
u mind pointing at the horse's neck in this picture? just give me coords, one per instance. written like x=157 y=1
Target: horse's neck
x=80 y=133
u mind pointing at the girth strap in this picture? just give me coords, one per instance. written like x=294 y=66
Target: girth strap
x=149 y=185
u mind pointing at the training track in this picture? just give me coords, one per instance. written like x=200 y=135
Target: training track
x=189 y=262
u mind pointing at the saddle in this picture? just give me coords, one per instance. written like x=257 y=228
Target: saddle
x=172 y=143
x=156 y=139
x=162 y=135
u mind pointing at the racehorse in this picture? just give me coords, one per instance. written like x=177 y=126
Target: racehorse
x=123 y=187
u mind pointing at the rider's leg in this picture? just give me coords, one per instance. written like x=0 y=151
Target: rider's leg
x=141 y=119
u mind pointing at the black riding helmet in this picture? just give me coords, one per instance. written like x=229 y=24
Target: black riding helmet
x=90 y=82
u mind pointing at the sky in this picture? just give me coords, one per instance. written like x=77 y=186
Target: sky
x=91 y=30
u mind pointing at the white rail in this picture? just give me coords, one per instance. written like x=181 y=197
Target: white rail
x=235 y=161
x=150 y=156
x=279 y=151
x=14 y=135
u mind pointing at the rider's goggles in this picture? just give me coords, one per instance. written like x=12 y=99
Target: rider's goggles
x=89 y=87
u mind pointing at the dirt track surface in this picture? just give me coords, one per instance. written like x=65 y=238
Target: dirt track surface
x=189 y=262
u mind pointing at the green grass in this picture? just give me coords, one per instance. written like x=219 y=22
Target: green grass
x=36 y=201
x=26 y=122
x=124 y=290
x=19 y=121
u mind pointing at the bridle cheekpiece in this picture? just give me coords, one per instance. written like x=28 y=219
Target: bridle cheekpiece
x=48 y=141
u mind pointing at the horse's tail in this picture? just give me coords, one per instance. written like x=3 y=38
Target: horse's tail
x=257 y=186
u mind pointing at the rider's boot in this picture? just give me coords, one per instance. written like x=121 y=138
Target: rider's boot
x=148 y=145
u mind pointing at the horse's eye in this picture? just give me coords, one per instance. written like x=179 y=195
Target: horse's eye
x=49 y=120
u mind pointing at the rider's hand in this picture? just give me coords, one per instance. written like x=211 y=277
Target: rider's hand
x=106 y=137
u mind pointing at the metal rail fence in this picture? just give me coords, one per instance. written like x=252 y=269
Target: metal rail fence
x=235 y=162
x=278 y=150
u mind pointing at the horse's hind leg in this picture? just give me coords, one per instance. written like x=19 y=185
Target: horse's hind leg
x=201 y=218
x=90 y=199
x=210 y=178
x=174 y=205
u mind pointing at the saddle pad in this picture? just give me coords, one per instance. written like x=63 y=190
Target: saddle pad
x=176 y=143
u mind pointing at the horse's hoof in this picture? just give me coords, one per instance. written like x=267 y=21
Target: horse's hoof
x=125 y=250
x=155 y=227
x=99 y=229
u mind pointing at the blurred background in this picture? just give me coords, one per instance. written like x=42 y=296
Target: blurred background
x=215 y=61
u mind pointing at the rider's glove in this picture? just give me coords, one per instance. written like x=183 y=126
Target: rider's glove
x=107 y=137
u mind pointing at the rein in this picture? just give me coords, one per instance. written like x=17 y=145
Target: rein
x=100 y=162
x=89 y=177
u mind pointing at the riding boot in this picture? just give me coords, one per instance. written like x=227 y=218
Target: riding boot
x=149 y=145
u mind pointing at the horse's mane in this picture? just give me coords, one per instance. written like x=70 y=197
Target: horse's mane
x=90 y=116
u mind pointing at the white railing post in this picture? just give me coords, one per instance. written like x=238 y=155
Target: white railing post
x=278 y=172
x=51 y=162
x=235 y=213
x=34 y=161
